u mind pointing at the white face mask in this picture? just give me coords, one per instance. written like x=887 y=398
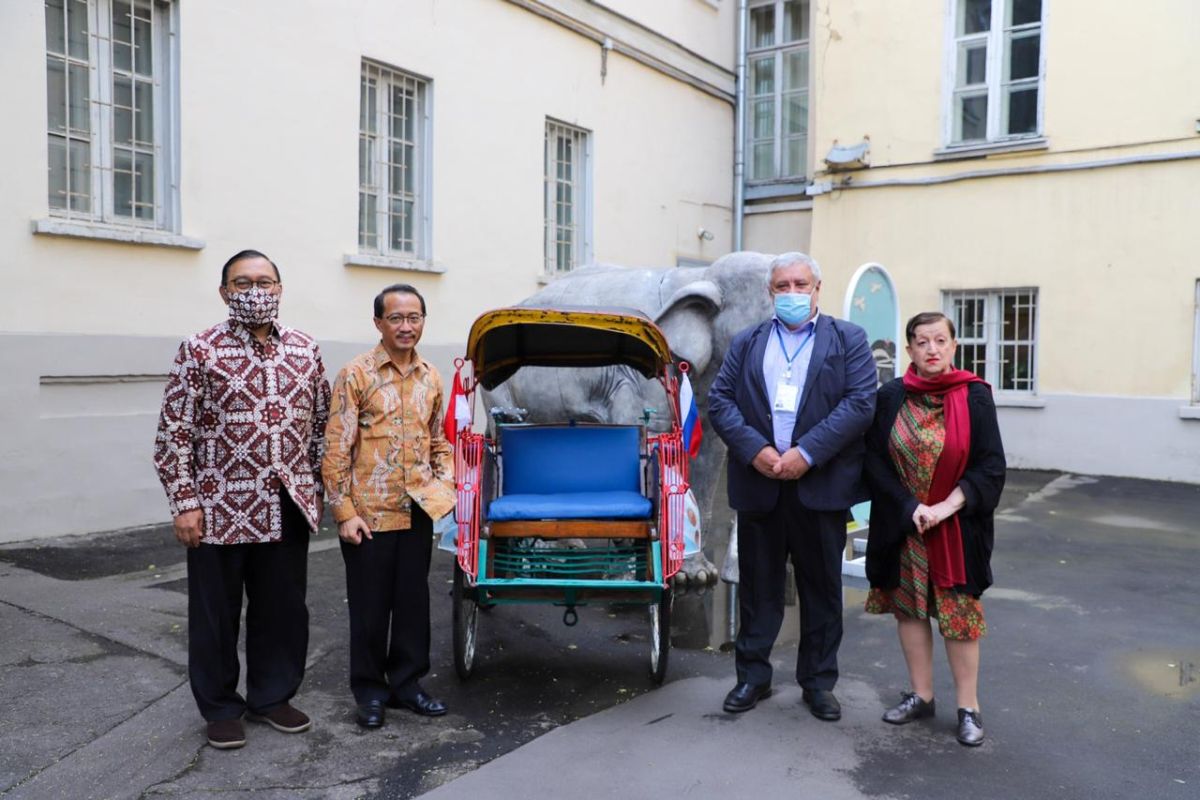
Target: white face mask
x=254 y=307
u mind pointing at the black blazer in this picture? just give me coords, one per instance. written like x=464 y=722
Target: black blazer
x=836 y=408
x=892 y=505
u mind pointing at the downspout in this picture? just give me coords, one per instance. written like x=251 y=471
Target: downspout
x=739 y=135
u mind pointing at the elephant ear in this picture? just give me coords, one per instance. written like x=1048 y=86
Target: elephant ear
x=687 y=321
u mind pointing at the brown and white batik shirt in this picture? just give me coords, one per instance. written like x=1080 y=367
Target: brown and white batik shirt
x=241 y=419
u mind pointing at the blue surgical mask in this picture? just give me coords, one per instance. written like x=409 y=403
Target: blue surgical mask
x=792 y=309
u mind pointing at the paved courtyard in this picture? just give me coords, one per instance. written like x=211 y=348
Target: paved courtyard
x=1090 y=682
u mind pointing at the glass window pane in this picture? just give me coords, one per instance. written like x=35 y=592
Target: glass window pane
x=762 y=26
x=1022 y=111
x=366 y=167
x=410 y=170
x=79 y=175
x=55 y=26
x=972 y=118
x=77 y=87
x=794 y=157
x=368 y=106
x=795 y=20
x=145 y=111
x=795 y=114
x=368 y=227
x=972 y=64
x=56 y=95
x=762 y=162
x=410 y=115
x=763 y=119
x=1023 y=54
x=1008 y=317
x=122 y=37
x=123 y=183
x=795 y=70
x=77 y=28
x=762 y=76
x=143 y=186
x=143 y=52
x=1024 y=12
x=976 y=16
x=58 y=172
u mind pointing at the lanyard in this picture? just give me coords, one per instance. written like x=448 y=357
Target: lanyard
x=799 y=349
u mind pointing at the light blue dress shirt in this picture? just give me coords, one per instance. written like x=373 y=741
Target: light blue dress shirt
x=799 y=345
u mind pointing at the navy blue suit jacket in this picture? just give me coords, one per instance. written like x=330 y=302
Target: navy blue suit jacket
x=837 y=407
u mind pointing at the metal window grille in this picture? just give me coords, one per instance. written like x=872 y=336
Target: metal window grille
x=777 y=89
x=108 y=130
x=997 y=336
x=392 y=162
x=566 y=197
x=997 y=70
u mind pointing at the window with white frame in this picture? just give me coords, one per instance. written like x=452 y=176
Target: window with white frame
x=109 y=92
x=567 y=194
x=997 y=71
x=777 y=90
x=393 y=163
x=997 y=336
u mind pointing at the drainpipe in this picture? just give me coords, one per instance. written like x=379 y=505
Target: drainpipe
x=739 y=135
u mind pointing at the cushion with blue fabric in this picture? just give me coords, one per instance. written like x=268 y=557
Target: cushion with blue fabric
x=570 y=505
x=570 y=472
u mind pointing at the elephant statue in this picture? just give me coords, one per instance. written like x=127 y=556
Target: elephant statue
x=698 y=308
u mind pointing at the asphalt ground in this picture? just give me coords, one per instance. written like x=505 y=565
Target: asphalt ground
x=1090 y=684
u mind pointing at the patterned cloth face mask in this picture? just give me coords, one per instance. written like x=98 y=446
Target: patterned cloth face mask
x=254 y=307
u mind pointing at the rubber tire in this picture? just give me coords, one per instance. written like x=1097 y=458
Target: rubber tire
x=660 y=636
x=466 y=623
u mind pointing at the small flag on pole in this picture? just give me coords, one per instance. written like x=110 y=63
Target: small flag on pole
x=458 y=410
x=691 y=417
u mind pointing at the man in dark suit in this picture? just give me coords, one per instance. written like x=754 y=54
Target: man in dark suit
x=792 y=401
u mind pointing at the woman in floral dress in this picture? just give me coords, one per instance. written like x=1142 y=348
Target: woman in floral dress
x=935 y=465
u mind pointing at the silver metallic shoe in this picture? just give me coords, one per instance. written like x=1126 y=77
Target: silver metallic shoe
x=912 y=707
x=970 y=727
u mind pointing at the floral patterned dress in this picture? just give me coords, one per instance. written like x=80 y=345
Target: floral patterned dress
x=915 y=444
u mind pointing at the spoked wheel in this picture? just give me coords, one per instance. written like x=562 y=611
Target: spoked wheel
x=660 y=636
x=466 y=618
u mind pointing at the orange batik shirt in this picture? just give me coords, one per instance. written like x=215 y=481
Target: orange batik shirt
x=384 y=445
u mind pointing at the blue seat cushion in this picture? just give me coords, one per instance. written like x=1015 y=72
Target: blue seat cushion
x=570 y=505
x=560 y=459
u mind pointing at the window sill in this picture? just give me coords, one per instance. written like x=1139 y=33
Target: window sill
x=983 y=149
x=792 y=187
x=391 y=262
x=1189 y=412
x=1018 y=401
x=112 y=233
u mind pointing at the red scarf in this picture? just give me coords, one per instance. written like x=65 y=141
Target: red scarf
x=944 y=541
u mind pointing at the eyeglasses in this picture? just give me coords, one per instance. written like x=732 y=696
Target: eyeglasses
x=412 y=319
x=242 y=284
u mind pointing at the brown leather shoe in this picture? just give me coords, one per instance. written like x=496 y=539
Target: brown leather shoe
x=226 y=734
x=284 y=718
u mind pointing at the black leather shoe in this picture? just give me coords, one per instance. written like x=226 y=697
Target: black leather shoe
x=371 y=714
x=745 y=696
x=912 y=707
x=970 y=727
x=420 y=703
x=822 y=704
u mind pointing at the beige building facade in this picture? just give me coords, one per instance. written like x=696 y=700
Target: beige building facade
x=473 y=148
x=1037 y=183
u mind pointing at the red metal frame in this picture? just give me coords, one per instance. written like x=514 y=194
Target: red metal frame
x=672 y=486
x=468 y=458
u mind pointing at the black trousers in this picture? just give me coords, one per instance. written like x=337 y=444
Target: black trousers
x=274 y=577
x=815 y=541
x=387 y=589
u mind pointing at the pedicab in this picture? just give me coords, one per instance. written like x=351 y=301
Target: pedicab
x=615 y=493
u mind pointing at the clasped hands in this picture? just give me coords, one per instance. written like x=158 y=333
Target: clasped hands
x=787 y=467
x=926 y=518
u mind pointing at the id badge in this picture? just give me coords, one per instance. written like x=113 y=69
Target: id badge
x=786 y=396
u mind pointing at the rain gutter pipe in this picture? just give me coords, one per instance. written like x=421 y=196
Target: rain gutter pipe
x=739 y=134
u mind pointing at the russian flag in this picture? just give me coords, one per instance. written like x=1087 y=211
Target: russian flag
x=692 y=432
x=458 y=410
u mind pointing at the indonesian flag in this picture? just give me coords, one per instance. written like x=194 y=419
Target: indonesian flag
x=692 y=432
x=458 y=410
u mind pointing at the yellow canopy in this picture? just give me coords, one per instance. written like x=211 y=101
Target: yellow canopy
x=506 y=339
